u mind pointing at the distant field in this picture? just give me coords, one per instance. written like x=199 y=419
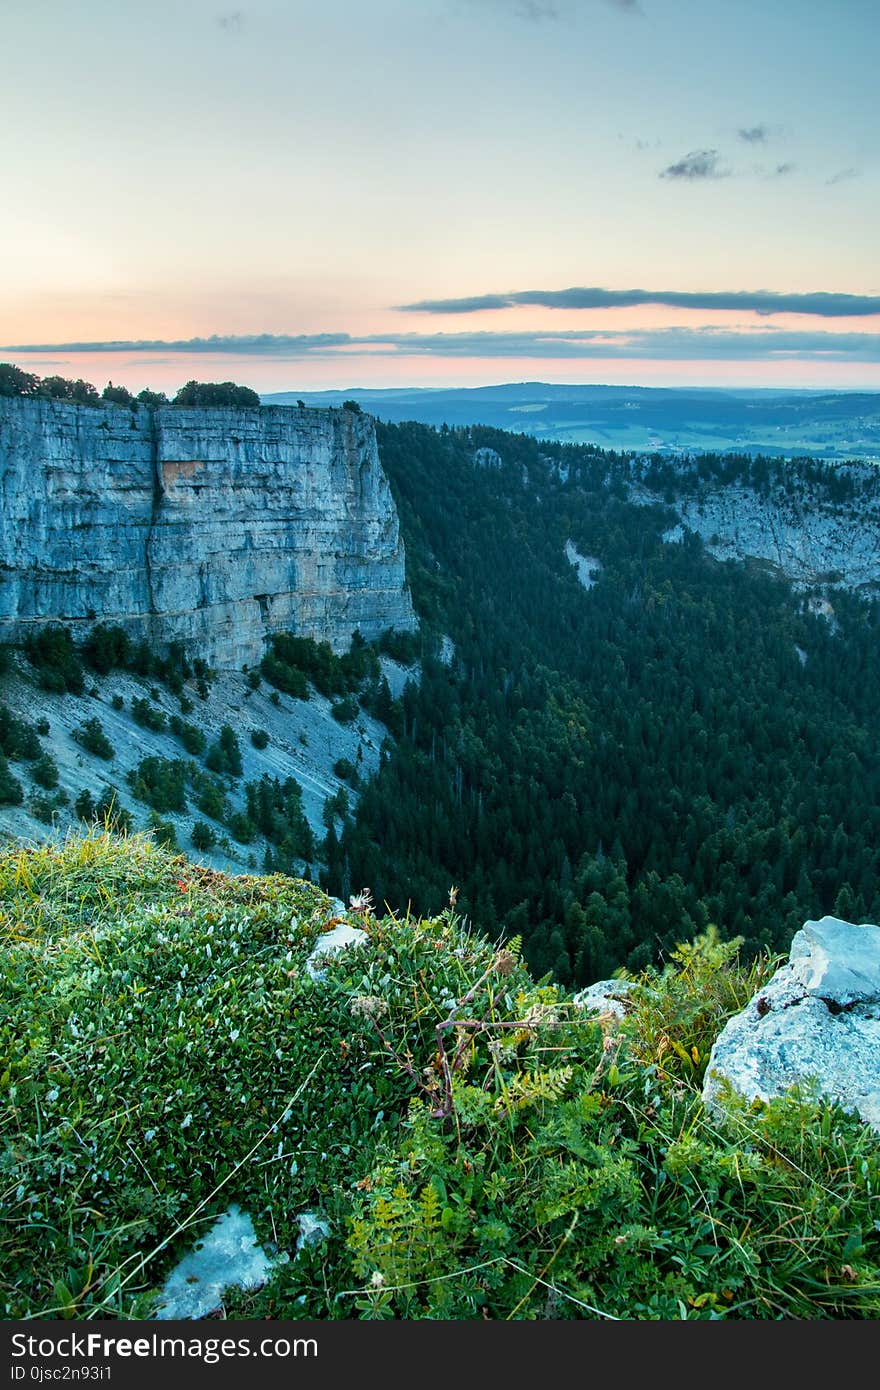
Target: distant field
x=840 y=425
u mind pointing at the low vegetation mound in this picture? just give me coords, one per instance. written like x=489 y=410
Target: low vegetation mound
x=479 y=1146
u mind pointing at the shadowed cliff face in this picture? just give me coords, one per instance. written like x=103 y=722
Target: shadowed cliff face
x=211 y=527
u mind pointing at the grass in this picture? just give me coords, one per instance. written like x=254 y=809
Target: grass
x=478 y=1146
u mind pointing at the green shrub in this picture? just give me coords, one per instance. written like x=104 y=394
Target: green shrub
x=110 y=812
x=149 y=716
x=52 y=652
x=242 y=828
x=203 y=836
x=259 y=738
x=45 y=771
x=224 y=756
x=293 y=661
x=117 y=395
x=575 y=1178
x=345 y=711
x=285 y=678
x=190 y=735
x=18 y=739
x=43 y=808
x=106 y=648
x=404 y=647
x=210 y=796
x=161 y=783
x=346 y=769
x=163 y=832
x=335 y=805
x=11 y=793
x=93 y=739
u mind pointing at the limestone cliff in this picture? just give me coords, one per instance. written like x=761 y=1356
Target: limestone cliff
x=212 y=527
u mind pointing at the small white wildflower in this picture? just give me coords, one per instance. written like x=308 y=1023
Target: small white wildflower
x=149 y=1135
x=377 y=1279
x=186 y=1121
x=53 y=1094
x=234 y=1034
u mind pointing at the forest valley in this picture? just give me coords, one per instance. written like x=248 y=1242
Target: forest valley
x=606 y=772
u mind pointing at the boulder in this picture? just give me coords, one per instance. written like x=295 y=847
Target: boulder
x=341 y=936
x=817 y=1021
x=228 y=1256
x=604 y=997
x=838 y=961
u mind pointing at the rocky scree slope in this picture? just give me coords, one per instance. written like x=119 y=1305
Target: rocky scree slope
x=303 y=742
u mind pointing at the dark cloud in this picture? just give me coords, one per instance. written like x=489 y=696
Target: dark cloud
x=842 y=176
x=698 y=164
x=258 y=344
x=665 y=344
x=765 y=302
x=754 y=134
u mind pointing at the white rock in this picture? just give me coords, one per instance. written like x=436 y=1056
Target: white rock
x=227 y=1257
x=329 y=943
x=587 y=566
x=838 y=960
x=604 y=997
x=312 y=1230
x=788 y=1034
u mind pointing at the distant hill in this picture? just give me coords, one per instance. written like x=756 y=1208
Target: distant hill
x=830 y=425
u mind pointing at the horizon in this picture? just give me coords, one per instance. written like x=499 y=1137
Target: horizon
x=448 y=195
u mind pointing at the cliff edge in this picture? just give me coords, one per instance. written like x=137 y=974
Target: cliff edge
x=210 y=527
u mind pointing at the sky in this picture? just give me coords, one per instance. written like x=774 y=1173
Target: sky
x=442 y=192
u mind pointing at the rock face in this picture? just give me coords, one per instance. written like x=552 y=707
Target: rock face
x=210 y=527
x=818 y=1018
x=810 y=542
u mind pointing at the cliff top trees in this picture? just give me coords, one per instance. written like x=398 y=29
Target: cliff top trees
x=211 y=394
x=15 y=382
x=201 y=394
